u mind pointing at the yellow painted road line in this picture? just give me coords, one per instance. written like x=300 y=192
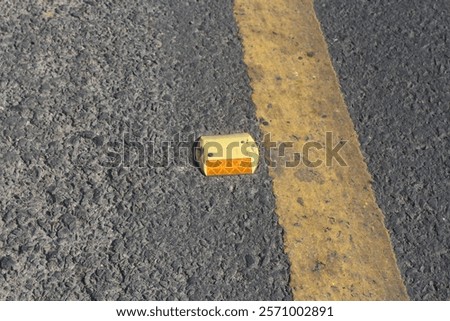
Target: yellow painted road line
x=335 y=236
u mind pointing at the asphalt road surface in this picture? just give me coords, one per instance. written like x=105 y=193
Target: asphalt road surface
x=75 y=80
x=392 y=59
x=90 y=209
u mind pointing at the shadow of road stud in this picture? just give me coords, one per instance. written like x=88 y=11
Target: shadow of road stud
x=234 y=154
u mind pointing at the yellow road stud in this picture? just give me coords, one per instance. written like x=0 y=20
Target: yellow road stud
x=234 y=154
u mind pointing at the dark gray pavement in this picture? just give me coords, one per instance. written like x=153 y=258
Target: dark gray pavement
x=74 y=79
x=393 y=62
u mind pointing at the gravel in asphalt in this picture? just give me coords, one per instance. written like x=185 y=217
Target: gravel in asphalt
x=77 y=77
x=392 y=59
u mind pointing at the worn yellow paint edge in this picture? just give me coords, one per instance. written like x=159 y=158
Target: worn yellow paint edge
x=338 y=246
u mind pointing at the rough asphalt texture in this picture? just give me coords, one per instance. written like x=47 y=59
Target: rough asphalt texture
x=393 y=62
x=76 y=77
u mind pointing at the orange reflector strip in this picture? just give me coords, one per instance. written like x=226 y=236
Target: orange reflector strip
x=229 y=166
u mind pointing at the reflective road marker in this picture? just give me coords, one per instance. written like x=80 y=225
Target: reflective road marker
x=335 y=237
x=234 y=154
